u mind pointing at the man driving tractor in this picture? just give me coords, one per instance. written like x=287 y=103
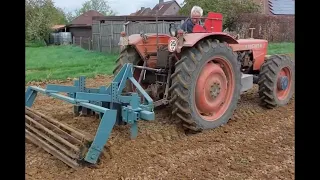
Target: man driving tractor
x=196 y=14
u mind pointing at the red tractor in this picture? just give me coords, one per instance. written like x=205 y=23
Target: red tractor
x=202 y=74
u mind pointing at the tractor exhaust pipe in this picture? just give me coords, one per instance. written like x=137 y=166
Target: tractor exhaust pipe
x=157 y=31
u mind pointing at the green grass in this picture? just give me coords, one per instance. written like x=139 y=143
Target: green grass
x=61 y=62
x=281 y=48
x=35 y=43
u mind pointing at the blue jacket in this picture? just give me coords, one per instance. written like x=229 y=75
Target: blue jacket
x=187 y=26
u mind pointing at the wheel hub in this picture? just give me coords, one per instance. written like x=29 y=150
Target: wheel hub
x=211 y=89
x=283 y=82
x=215 y=90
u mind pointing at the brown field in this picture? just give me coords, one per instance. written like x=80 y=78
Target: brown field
x=255 y=144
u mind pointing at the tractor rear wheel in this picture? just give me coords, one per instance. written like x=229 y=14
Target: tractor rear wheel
x=206 y=85
x=276 y=81
x=128 y=55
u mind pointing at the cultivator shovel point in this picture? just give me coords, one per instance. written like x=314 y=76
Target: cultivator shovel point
x=73 y=146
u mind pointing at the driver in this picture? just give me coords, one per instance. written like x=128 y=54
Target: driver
x=196 y=14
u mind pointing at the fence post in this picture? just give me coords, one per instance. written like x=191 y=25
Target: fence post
x=81 y=42
x=92 y=43
x=162 y=29
x=127 y=28
x=89 y=42
x=111 y=38
x=100 y=48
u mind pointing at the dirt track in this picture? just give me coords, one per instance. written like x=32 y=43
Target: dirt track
x=255 y=144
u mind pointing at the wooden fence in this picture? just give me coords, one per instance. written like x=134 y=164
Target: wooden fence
x=83 y=42
x=105 y=36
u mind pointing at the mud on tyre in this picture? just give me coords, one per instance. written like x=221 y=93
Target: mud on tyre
x=127 y=55
x=276 y=81
x=207 y=72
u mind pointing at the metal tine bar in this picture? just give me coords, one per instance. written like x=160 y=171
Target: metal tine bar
x=53 y=134
x=141 y=90
x=56 y=129
x=58 y=145
x=123 y=80
x=33 y=138
x=147 y=68
x=76 y=132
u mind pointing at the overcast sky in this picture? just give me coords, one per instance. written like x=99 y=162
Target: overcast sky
x=123 y=7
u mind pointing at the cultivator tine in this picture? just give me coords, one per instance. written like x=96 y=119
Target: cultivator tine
x=60 y=140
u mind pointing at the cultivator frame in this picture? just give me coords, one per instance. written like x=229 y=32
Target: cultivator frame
x=105 y=101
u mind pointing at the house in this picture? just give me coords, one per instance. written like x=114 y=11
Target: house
x=81 y=26
x=277 y=7
x=142 y=12
x=164 y=9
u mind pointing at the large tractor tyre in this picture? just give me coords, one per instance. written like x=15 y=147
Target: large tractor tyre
x=206 y=85
x=276 y=81
x=128 y=55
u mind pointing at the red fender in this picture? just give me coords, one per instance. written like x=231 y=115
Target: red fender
x=193 y=38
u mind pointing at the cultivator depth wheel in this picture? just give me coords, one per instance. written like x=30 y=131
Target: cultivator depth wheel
x=206 y=85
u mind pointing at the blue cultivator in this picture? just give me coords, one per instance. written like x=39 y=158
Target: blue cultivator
x=73 y=146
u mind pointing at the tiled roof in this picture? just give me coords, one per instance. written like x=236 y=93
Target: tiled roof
x=146 y=12
x=142 y=12
x=86 y=18
x=162 y=7
x=282 y=7
x=55 y=27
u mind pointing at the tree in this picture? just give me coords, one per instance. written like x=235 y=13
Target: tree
x=97 y=5
x=231 y=9
x=41 y=15
x=59 y=16
x=69 y=16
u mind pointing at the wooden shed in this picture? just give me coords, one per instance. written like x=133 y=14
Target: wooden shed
x=81 y=28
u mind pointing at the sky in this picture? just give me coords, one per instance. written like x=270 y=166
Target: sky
x=123 y=7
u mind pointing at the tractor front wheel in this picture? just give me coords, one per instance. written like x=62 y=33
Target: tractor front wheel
x=128 y=55
x=276 y=81
x=206 y=85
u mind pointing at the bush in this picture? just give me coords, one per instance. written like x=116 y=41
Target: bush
x=40 y=16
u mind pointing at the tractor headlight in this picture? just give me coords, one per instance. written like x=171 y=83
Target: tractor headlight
x=173 y=30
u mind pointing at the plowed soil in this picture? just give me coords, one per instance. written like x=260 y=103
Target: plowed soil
x=255 y=144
